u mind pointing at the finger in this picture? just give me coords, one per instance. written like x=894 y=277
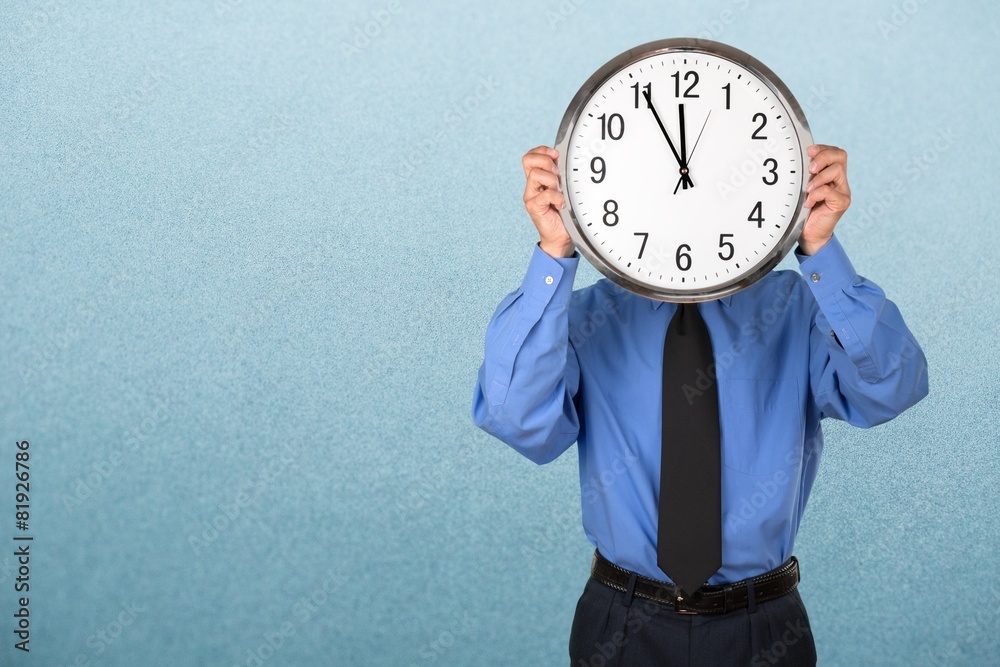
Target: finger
x=538 y=180
x=541 y=157
x=544 y=150
x=538 y=161
x=816 y=148
x=545 y=200
x=833 y=199
x=835 y=175
x=825 y=156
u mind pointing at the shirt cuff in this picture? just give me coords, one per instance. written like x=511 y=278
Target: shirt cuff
x=827 y=271
x=550 y=279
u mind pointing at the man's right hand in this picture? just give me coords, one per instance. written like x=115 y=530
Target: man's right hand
x=543 y=200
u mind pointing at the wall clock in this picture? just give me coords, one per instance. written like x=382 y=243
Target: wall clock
x=683 y=163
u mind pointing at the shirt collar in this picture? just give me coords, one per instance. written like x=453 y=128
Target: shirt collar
x=656 y=304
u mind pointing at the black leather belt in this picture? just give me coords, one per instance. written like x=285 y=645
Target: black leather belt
x=714 y=599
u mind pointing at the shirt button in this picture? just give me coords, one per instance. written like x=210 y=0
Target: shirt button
x=815 y=277
x=548 y=280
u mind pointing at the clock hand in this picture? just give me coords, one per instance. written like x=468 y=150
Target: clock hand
x=649 y=102
x=679 y=181
x=691 y=157
x=684 y=152
x=685 y=179
x=693 y=148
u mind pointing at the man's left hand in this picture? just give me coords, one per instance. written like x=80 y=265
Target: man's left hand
x=828 y=195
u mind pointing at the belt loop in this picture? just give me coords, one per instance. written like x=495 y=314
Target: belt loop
x=751 y=603
x=630 y=589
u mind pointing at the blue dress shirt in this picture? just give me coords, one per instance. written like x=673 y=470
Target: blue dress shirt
x=585 y=366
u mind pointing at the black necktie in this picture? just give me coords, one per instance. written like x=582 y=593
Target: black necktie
x=689 y=538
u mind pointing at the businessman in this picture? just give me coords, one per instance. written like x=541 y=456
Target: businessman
x=693 y=561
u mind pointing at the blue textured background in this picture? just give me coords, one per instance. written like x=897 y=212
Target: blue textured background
x=245 y=273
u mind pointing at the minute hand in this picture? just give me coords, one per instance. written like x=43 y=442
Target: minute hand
x=649 y=103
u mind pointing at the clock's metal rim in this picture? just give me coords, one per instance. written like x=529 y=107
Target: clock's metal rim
x=683 y=44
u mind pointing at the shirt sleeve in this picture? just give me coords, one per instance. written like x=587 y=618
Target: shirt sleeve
x=865 y=365
x=530 y=374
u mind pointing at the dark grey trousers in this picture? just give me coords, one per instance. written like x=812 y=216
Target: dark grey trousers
x=614 y=629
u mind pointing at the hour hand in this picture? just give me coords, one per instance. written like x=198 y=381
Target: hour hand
x=649 y=103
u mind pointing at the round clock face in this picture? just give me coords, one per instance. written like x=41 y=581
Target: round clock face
x=683 y=162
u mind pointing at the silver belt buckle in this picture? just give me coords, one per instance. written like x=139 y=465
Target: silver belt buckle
x=678 y=599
